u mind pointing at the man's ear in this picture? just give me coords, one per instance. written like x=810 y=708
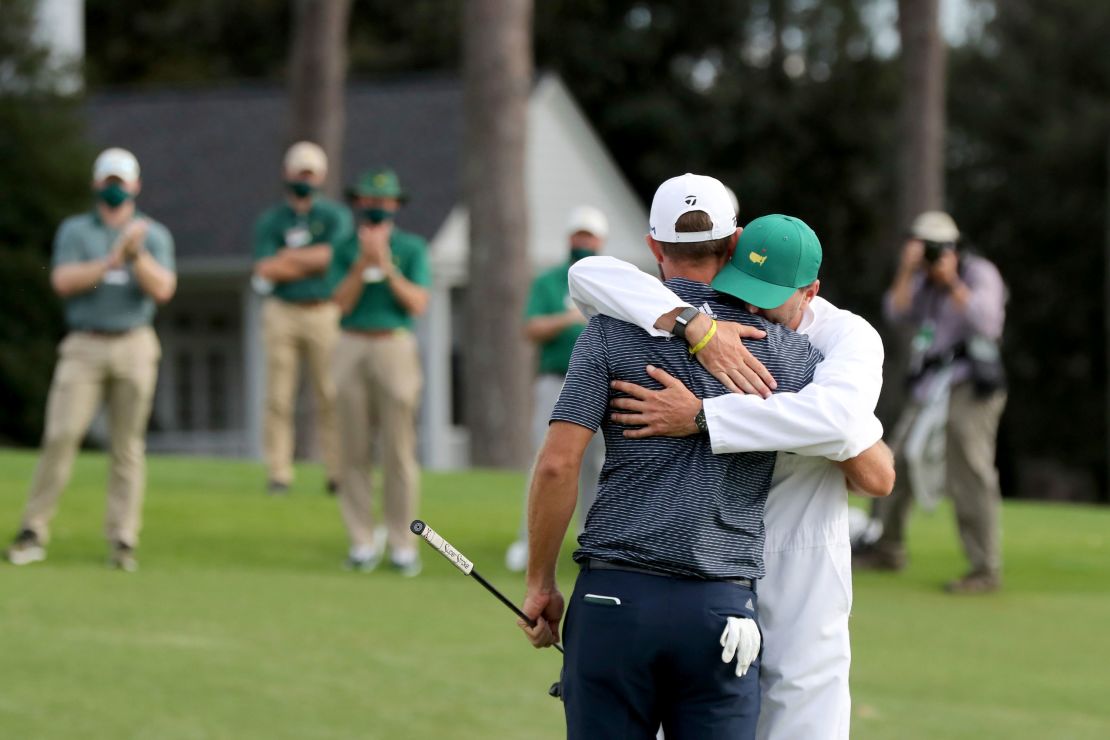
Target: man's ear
x=656 y=249
x=732 y=242
x=811 y=292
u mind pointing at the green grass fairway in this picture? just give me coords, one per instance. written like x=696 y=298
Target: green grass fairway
x=241 y=624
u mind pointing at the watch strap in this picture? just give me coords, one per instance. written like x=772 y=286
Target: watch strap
x=682 y=320
x=700 y=422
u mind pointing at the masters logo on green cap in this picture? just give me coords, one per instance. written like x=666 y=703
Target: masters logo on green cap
x=774 y=256
x=378 y=183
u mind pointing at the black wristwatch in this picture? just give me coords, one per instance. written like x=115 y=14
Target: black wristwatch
x=682 y=321
x=700 y=422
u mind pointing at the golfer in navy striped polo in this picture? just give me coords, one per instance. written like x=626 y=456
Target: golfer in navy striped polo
x=674 y=542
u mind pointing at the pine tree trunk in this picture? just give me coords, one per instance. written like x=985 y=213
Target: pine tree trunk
x=317 y=75
x=497 y=81
x=317 y=81
x=921 y=161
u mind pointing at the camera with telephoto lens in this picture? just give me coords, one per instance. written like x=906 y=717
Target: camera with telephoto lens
x=933 y=250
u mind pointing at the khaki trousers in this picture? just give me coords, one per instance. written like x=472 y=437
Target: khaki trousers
x=379 y=381
x=292 y=332
x=971 y=478
x=121 y=370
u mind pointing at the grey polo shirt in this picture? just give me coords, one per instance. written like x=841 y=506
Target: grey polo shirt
x=117 y=303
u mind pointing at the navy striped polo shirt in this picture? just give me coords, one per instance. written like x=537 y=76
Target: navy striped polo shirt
x=664 y=503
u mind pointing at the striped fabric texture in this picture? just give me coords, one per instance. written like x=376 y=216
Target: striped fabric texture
x=664 y=503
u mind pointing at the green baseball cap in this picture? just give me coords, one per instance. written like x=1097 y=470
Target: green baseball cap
x=378 y=183
x=774 y=256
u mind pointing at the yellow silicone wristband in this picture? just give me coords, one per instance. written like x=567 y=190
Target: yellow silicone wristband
x=705 y=340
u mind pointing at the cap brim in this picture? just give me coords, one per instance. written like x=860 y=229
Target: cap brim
x=750 y=289
x=354 y=192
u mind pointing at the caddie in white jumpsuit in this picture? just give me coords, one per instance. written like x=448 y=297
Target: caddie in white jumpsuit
x=806 y=596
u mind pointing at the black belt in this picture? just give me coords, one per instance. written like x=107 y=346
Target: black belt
x=106 y=333
x=595 y=564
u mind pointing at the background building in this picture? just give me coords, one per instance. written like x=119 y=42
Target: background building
x=211 y=161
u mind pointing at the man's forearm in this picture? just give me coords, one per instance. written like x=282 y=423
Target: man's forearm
x=74 y=278
x=542 y=329
x=154 y=280
x=346 y=295
x=813 y=422
x=278 y=270
x=871 y=472
x=695 y=330
x=901 y=294
x=312 y=259
x=294 y=264
x=551 y=501
x=412 y=297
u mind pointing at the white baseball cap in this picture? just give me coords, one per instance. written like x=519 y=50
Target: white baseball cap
x=935 y=226
x=304 y=156
x=735 y=200
x=588 y=219
x=116 y=162
x=687 y=193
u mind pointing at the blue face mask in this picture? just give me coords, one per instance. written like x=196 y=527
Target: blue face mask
x=377 y=215
x=113 y=195
x=300 y=188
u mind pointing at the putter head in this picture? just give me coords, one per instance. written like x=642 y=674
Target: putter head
x=556 y=690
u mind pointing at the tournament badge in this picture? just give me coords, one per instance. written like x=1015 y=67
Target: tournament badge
x=117 y=276
x=298 y=236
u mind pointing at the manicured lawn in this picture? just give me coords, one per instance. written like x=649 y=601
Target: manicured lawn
x=241 y=624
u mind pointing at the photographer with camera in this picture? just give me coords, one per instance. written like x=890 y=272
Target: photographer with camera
x=955 y=301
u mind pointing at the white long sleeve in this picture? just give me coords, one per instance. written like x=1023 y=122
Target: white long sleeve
x=832 y=417
x=609 y=286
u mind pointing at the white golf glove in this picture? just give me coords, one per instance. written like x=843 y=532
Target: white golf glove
x=741 y=639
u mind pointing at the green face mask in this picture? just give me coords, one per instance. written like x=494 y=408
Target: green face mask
x=377 y=215
x=578 y=253
x=113 y=195
x=300 y=188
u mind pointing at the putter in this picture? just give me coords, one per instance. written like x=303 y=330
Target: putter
x=460 y=561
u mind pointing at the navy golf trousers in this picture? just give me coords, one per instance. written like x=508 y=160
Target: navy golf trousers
x=644 y=650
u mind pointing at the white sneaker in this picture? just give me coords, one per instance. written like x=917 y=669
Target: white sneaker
x=366 y=558
x=26 y=549
x=516 y=557
x=407 y=562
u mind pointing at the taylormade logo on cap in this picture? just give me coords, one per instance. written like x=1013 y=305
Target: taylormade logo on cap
x=687 y=193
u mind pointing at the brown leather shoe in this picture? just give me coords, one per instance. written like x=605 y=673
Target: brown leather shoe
x=877 y=558
x=974 y=583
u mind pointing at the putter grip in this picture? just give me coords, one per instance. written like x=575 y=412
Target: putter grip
x=442 y=546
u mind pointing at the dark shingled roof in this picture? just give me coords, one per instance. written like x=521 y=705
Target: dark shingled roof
x=211 y=157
